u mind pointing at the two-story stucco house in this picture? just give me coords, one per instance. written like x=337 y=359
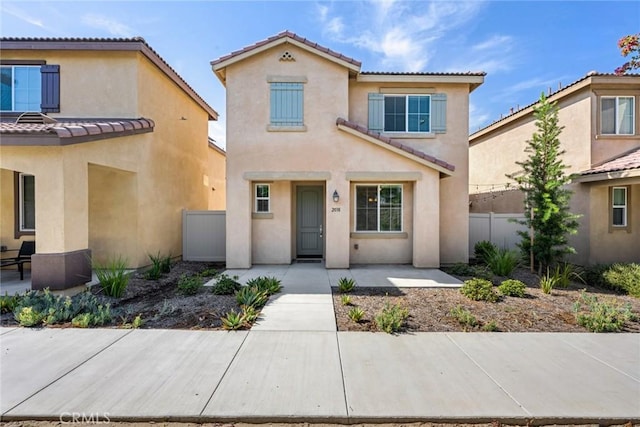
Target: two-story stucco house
x=329 y=162
x=601 y=137
x=115 y=148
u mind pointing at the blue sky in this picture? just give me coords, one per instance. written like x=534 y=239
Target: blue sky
x=524 y=46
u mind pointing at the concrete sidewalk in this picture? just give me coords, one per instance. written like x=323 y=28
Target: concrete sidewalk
x=321 y=376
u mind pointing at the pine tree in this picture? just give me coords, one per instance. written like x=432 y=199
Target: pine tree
x=546 y=198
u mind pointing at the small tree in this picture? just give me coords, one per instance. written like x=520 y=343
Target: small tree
x=546 y=200
x=629 y=45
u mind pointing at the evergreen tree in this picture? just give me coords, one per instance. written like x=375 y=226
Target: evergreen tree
x=546 y=199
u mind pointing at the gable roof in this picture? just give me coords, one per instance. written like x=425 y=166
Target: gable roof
x=591 y=78
x=219 y=65
x=391 y=145
x=626 y=165
x=107 y=44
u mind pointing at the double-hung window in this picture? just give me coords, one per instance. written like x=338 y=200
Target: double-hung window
x=27 y=203
x=617 y=115
x=379 y=208
x=619 y=206
x=21 y=88
x=287 y=104
x=407 y=113
x=262 y=198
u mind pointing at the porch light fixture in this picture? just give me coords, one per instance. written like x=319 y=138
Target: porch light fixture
x=336 y=196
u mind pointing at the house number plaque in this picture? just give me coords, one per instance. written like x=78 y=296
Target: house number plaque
x=335 y=209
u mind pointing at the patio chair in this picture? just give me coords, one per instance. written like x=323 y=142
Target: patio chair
x=27 y=249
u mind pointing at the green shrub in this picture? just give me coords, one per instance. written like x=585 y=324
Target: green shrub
x=345 y=299
x=356 y=314
x=479 y=290
x=483 y=250
x=482 y=272
x=391 y=318
x=601 y=316
x=625 y=277
x=81 y=320
x=512 y=288
x=490 y=326
x=233 y=321
x=564 y=273
x=226 y=285
x=209 y=272
x=159 y=265
x=135 y=324
x=251 y=297
x=113 y=276
x=8 y=303
x=269 y=285
x=548 y=282
x=464 y=317
x=250 y=314
x=35 y=308
x=502 y=262
x=28 y=317
x=461 y=269
x=189 y=285
x=346 y=285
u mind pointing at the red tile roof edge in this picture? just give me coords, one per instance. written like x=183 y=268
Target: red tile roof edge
x=293 y=36
x=626 y=161
x=422 y=73
x=363 y=130
x=76 y=128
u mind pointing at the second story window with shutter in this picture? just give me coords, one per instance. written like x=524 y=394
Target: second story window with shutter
x=287 y=104
x=420 y=114
x=30 y=88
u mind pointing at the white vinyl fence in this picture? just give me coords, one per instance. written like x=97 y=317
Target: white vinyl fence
x=204 y=236
x=497 y=228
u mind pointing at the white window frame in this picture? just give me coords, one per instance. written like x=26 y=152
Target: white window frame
x=616 y=112
x=261 y=198
x=13 y=87
x=624 y=207
x=406 y=112
x=22 y=227
x=355 y=208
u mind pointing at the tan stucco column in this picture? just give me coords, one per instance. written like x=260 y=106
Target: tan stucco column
x=62 y=225
x=426 y=221
x=337 y=219
x=239 y=209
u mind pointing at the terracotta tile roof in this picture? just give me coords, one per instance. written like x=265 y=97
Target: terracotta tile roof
x=625 y=162
x=363 y=130
x=93 y=43
x=424 y=73
x=290 y=35
x=80 y=129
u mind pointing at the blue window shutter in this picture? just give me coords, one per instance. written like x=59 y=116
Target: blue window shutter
x=286 y=103
x=439 y=112
x=376 y=112
x=50 y=102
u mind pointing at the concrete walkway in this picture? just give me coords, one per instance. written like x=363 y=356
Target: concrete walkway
x=294 y=367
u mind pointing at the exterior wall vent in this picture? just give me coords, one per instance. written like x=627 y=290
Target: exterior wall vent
x=35 y=118
x=287 y=56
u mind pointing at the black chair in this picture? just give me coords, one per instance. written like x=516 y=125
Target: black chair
x=27 y=249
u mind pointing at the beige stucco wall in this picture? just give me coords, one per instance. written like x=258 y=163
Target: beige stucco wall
x=159 y=173
x=494 y=153
x=217 y=177
x=325 y=149
x=7 y=213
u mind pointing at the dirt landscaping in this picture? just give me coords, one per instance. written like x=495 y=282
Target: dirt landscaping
x=161 y=306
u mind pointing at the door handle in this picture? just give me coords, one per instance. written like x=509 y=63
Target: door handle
x=321 y=231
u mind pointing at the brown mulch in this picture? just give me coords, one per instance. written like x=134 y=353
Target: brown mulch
x=429 y=308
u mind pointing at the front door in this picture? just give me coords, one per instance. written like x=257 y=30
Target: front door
x=309 y=231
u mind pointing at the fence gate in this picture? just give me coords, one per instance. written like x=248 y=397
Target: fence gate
x=204 y=236
x=499 y=229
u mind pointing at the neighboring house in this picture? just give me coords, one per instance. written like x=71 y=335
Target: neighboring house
x=115 y=149
x=217 y=177
x=327 y=161
x=601 y=137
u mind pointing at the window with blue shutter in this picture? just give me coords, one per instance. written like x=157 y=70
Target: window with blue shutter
x=287 y=102
x=408 y=113
x=30 y=88
x=50 y=88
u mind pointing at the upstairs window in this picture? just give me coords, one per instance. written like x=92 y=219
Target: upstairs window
x=407 y=113
x=287 y=102
x=21 y=88
x=617 y=115
x=379 y=208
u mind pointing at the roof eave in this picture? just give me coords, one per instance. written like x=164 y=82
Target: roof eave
x=473 y=80
x=606 y=176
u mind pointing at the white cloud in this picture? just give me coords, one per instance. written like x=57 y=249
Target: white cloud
x=403 y=34
x=495 y=42
x=218 y=131
x=22 y=15
x=477 y=118
x=113 y=27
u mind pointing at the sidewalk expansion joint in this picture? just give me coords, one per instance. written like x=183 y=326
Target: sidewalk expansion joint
x=601 y=361
x=489 y=376
x=66 y=373
x=224 y=374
